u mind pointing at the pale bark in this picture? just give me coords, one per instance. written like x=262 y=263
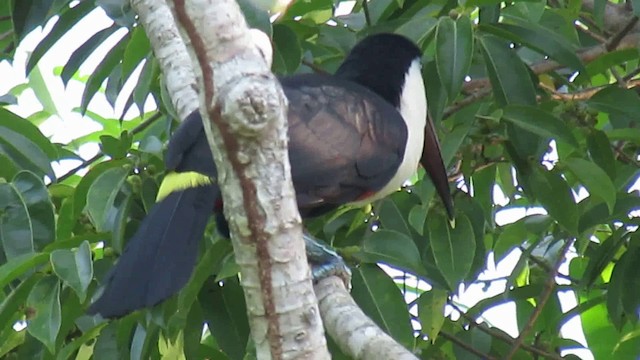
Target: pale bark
x=351 y=329
x=247 y=128
x=171 y=53
x=252 y=109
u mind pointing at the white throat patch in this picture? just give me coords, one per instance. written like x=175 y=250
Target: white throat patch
x=413 y=108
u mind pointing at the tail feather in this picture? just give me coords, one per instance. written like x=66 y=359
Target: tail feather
x=158 y=261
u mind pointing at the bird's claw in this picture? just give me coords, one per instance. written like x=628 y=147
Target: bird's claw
x=326 y=262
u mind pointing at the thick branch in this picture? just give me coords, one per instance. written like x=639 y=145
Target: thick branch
x=351 y=329
x=247 y=131
x=171 y=53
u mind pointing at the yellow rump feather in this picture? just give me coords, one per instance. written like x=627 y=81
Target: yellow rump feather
x=181 y=181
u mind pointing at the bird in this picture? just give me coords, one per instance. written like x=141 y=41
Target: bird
x=354 y=137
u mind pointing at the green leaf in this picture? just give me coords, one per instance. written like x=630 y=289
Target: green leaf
x=136 y=50
x=19 y=265
x=102 y=195
x=209 y=262
x=27 y=15
x=393 y=248
x=24 y=127
x=16 y=232
x=80 y=55
x=24 y=152
x=65 y=22
x=287 y=53
x=431 y=312
x=603 y=255
x=41 y=90
x=509 y=76
x=380 y=298
x=44 y=299
x=475 y=338
x=594 y=179
x=225 y=312
x=391 y=216
x=453 y=249
x=71 y=347
x=553 y=192
x=454 y=50
x=41 y=212
x=257 y=18
x=97 y=77
x=82 y=189
x=539 y=122
x=621 y=104
x=436 y=93
x=601 y=153
x=12 y=303
x=74 y=268
x=540 y=39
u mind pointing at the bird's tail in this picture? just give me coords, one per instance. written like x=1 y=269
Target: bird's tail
x=157 y=262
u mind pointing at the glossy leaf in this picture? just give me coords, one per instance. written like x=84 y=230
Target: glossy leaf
x=16 y=300
x=454 y=49
x=594 y=179
x=113 y=58
x=393 y=248
x=44 y=299
x=453 y=249
x=554 y=194
x=102 y=195
x=74 y=268
x=379 y=297
x=41 y=211
x=287 y=53
x=66 y=21
x=24 y=153
x=620 y=104
x=19 y=265
x=80 y=55
x=226 y=316
x=16 y=230
x=539 y=122
x=509 y=76
x=601 y=153
x=431 y=310
x=538 y=38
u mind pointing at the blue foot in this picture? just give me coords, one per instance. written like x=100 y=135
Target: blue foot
x=325 y=261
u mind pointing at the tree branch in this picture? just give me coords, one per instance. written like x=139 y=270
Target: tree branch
x=245 y=120
x=171 y=53
x=352 y=330
x=542 y=301
x=465 y=346
x=502 y=337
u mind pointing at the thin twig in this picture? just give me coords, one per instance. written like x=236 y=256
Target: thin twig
x=475 y=96
x=316 y=69
x=367 y=16
x=587 y=30
x=617 y=38
x=588 y=93
x=465 y=345
x=136 y=130
x=544 y=298
x=83 y=165
x=502 y=337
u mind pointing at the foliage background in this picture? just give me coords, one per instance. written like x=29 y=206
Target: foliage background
x=537 y=106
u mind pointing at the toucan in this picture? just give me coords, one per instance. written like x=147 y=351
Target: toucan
x=354 y=137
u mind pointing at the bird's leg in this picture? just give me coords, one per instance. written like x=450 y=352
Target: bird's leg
x=324 y=261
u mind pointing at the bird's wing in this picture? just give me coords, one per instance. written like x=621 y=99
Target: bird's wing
x=345 y=142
